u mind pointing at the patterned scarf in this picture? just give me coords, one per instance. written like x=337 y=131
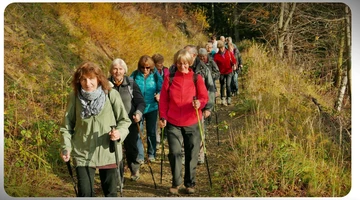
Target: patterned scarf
x=91 y=102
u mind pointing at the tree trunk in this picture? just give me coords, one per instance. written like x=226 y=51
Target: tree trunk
x=236 y=22
x=281 y=34
x=348 y=42
x=340 y=61
x=342 y=90
x=213 y=17
x=346 y=80
x=284 y=26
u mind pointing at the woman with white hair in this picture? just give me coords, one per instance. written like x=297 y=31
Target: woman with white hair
x=134 y=104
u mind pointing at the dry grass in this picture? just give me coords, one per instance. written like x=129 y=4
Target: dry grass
x=283 y=149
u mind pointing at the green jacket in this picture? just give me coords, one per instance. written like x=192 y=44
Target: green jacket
x=88 y=139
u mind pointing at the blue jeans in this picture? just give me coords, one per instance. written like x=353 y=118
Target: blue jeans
x=234 y=82
x=151 y=127
x=225 y=82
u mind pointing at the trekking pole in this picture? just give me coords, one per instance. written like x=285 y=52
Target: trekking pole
x=70 y=172
x=203 y=141
x=115 y=147
x=147 y=157
x=162 y=152
x=217 y=122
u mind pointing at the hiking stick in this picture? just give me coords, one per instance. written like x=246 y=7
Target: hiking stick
x=70 y=172
x=203 y=141
x=147 y=156
x=217 y=122
x=162 y=154
x=117 y=164
x=162 y=148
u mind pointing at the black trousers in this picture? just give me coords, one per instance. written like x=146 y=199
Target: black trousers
x=85 y=177
x=131 y=150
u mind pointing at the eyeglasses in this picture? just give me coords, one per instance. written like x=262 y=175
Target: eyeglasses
x=145 y=67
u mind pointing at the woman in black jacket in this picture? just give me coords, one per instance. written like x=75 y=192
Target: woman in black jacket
x=134 y=104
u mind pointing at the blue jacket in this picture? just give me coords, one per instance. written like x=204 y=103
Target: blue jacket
x=148 y=88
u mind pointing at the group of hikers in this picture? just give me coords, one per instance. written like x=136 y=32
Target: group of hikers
x=103 y=113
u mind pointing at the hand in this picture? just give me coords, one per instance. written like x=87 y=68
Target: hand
x=196 y=104
x=136 y=118
x=157 y=97
x=162 y=123
x=207 y=113
x=66 y=156
x=114 y=135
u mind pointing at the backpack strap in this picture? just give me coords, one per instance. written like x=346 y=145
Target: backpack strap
x=130 y=85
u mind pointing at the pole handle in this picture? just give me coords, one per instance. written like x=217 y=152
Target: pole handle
x=112 y=143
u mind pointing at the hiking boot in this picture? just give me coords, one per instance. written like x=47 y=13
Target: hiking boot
x=174 y=190
x=201 y=158
x=190 y=190
x=228 y=100
x=223 y=101
x=200 y=162
x=135 y=176
x=151 y=159
x=141 y=162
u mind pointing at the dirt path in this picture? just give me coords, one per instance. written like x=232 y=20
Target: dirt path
x=144 y=187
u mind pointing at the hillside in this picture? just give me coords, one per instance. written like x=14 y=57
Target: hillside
x=274 y=140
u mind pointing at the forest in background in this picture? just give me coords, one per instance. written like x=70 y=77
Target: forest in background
x=297 y=84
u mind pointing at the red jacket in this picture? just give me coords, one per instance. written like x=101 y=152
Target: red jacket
x=224 y=64
x=175 y=104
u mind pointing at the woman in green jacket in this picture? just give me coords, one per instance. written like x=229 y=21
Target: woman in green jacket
x=92 y=109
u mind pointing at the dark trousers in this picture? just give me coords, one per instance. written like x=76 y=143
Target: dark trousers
x=190 y=135
x=131 y=149
x=85 y=177
x=225 y=82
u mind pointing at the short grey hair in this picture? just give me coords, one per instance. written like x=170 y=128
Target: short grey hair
x=203 y=51
x=121 y=62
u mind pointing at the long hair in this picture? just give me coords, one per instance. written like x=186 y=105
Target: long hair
x=93 y=69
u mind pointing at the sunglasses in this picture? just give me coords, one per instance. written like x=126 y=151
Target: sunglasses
x=145 y=67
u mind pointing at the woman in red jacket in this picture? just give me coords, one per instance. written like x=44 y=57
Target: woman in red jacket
x=225 y=61
x=178 y=114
